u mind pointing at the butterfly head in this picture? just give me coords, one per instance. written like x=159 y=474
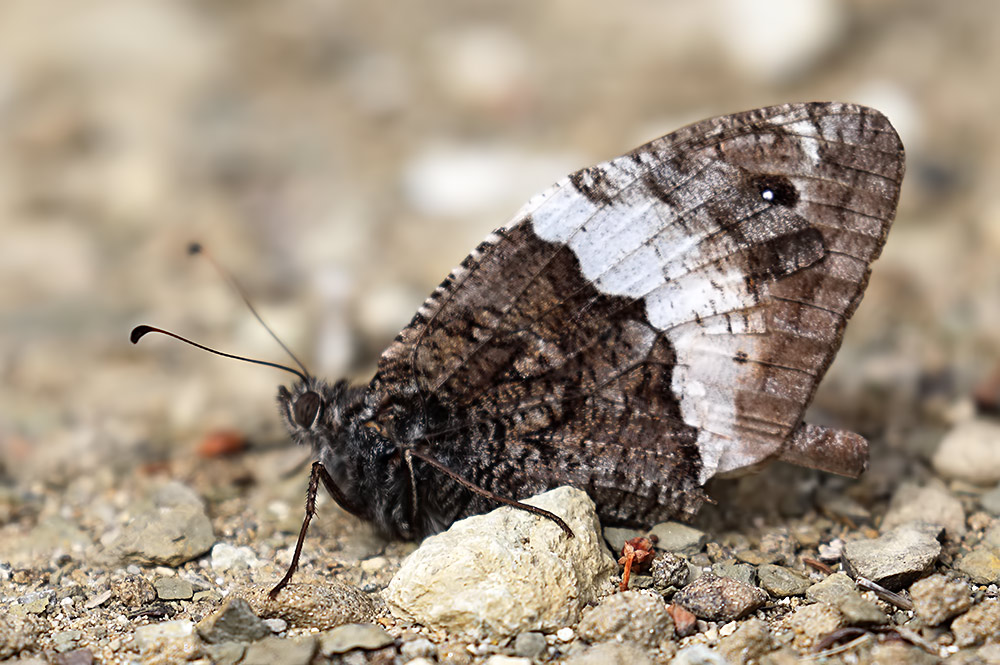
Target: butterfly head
x=315 y=411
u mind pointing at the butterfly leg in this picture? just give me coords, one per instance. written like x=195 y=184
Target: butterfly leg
x=826 y=449
x=317 y=474
x=486 y=493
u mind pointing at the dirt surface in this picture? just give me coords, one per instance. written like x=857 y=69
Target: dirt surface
x=340 y=158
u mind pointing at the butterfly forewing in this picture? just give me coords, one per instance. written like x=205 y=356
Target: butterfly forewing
x=653 y=320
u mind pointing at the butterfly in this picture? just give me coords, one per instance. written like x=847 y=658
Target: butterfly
x=640 y=327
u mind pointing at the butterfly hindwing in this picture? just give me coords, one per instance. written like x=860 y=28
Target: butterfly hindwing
x=654 y=320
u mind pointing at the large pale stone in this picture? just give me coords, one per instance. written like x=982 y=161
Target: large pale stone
x=507 y=572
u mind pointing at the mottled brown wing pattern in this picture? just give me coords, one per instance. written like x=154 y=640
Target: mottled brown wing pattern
x=654 y=320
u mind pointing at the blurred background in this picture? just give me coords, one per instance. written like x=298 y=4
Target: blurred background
x=341 y=157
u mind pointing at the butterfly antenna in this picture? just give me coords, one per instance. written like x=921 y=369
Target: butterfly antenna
x=141 y=331
x=196 y=248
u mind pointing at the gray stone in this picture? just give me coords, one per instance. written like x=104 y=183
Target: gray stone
x=838 y=590
x=895 y=558
x=756 y=557
x=991 y=538
x=669 y=571
x=750 y=641
x=990 y=501
x=971 y=452
x=530 y=645
x=640 y=581
x=831 y=589
x=616 y=537
x=978 y=624
x=678 y=538
x=299 y=651
x=227 y=653
x=781 y=582
x=932 y=503
x=318 y=606
x=170 y=532
x=742 y=572
x=859 y=611
x=365 y=636
x=233 y=622
x=937 y=599
x=173 y=588
x=982 y=565
x=719 y=598
x=506 y=572
x=611 y=653
x=631 y=615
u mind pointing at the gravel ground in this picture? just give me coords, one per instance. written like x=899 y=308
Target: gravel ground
x=340 y=158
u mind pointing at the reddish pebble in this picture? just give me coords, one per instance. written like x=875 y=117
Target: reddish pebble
x=222 y=442
x=685 y=623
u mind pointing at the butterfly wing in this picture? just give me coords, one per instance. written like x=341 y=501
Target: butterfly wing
x=657 y=319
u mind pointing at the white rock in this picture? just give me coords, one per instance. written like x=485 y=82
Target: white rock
x=500 y=659
x=970 y=452
x=506 y=572
x=227 y=557
x=145 y=636
x=772 y=40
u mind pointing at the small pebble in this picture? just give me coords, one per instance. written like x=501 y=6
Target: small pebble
x=990 y=501
x=741 y=572
x=810 y=623
x=699 y=654
x=149 y=635
x=678 y=538
x=839 y=591
x=233 y=622
x=937 y=599
x=895 y=558
x=971 y=452
x=669 y=572
x=565 y=634
x=530 y=645
x=747 y=642
x=420 y=648
x=781 y=582
x=500 y=659
x=610 y=653
x=276 y=625
x=982 y=565
x=271 y=650
x=719 y=598
x=173 y=588
x=365 y=636
x=631 y=615
x=228 y=557
x=978 y=624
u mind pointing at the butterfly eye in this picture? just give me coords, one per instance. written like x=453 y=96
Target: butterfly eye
x=776 y=189
x=307 y=408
